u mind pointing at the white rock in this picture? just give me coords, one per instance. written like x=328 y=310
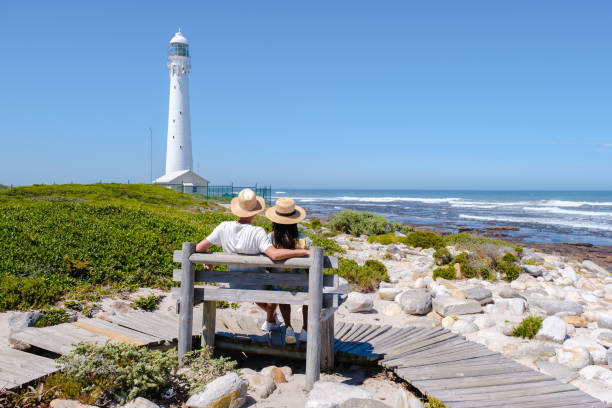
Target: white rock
x=448 y=322
x=262 y=385
x=420 y=284
x=446 y=305
x=594 y=268
x=405 y=399
x=569 y=273
x=593 y=372
x=141 y=403
x=604 y=321
x=597 y=351
x=576 y=357
x=358 y=302
x=553 y=329
x=464 y=327
x=551 y=306
x=230 y=388
x=484 y=322
x=514 y=306
x=327 y=394
x=415 y=302
x=389 y=293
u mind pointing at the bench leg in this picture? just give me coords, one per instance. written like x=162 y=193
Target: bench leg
x=186 y=312
x=209 y=321
x=327 y=339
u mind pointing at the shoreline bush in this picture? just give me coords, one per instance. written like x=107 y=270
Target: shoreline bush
x=364 y=278
x=364 y=223
x=528 y=328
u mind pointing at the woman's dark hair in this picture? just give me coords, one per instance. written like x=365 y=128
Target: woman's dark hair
x=285 y=235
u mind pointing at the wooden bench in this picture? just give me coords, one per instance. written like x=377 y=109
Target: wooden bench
x=322 y=297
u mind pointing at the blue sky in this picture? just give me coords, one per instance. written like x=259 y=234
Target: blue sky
x=317 y=94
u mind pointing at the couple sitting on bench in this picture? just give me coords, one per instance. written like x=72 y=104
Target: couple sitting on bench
x=241 y=237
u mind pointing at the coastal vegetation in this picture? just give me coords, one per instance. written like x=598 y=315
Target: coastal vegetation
x=364 y=278
x=147 y=303
x=364 y=223
x=528 y=327
x=81 y=242
x=51 y=317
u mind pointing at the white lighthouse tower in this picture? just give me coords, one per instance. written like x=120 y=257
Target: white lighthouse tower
x=179 y=158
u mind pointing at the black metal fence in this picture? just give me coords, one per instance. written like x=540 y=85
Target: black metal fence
x=226 y=193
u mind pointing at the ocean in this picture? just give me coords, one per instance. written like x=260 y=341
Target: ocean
x=541 y=216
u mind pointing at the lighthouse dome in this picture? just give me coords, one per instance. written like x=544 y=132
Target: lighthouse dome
x=179 y=38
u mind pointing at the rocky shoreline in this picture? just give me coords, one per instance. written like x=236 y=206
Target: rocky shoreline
x=571 y=294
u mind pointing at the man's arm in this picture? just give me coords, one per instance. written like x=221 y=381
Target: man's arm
x=279 y=254
x=203 y=246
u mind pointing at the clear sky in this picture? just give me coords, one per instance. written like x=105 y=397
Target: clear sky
x=329 y=94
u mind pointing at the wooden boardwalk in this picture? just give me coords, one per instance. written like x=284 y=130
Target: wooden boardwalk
x=435 y=361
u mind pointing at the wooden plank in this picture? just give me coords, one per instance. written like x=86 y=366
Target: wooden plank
x=185 y=327
x=501 y=379
x=339 y=335
x=209 y=323
x=425 y=342
x=546 y=400
x=114 y=328
x=108 y=333
x=139 y=322
x=408 y=362
x=315 y=302
x=252 y=296
x=327 y=340
x=483 y=395
x=364 y=345
x=535 y=387
x=258 y=261
x=19 y=367
x=255 y=277
x=458 y=373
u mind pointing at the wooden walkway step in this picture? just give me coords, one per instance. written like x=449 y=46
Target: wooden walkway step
x=435 y=361
x=19 y=367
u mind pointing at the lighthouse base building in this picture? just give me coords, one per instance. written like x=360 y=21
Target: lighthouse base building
x=179 y=161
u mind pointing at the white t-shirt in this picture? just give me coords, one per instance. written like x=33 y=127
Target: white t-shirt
x=237 y=238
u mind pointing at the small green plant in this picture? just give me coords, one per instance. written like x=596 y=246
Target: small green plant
x=467 y=270
x=518 y=249
x=387 y=256
x=484 y=273
x=147 y=303
x=364 y=223
x=528 y=328
x=73 y=305
x=509 y=257
x=511 y=272
x=442 y=256
x=222 y=304
x=445 y=273
x=365 y=278
x=52 y=317
x=315 y=223
x=204 y=368
x=329 y=246
x=433 y=403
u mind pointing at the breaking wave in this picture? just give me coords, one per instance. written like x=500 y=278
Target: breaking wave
x=545 y=221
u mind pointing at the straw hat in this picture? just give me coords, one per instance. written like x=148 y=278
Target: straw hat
x=285 y=212
x=247 y=204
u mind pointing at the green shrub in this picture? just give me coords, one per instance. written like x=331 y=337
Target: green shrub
x=518 y=249
x=445 y=273
x=385 y=239
x=442 y=256
x=204 y=368
x=17 y=292
x=528 y=328
x=147 y=303
x=467 y=270
x=484 y=273
x=509 y=257
x=330 y=247
x=387 y=256
x=433 y=403
x=222 y=304
x=424 y=239
x=364 y=223
x=511 y=272
x=365 y=278
x=315 y=223
x=52 y=317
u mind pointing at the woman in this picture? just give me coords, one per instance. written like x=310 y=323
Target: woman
x=285 y=216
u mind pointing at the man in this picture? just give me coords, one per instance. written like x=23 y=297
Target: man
x=241 y=237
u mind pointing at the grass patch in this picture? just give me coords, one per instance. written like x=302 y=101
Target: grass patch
x=222 y=304
x=364 y=278
x=416 y=239
x=470 y=242
x=330 y=247
x=385 y=239
x=147 y=303
x=52 y=317
x=528 y=328
x=448 y=273
x=434 y=403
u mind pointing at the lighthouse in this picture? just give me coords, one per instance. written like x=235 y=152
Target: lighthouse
x=179 y=157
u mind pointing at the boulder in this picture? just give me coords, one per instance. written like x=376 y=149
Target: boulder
x=594 y=268
x=596 y=350
x=514 y=306
x=575 y=321
x=226 y=391
x=447 y=305
x=484 y=322
x=464 y=327
x=551 y=306
x=556 y=370
x=533 y=270
x=509 y=293
x=415 y=302
x=358 y=302
x=405 y=399
x=575 y=357
x=604 y=321
x=420 y=284
x=328 y=394
x=262 y=386
x=553 y=329
x=609 y=357
x=605 y=338
x=20 y=321
x=363 y=403
x=389 y=293
x=141 y=403
x=480 y=294
x=274 y=372
x=593 y=372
